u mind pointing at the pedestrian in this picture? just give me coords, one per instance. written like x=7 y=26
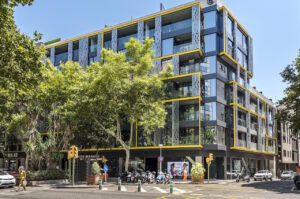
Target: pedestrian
x=23 y=181
x=185 y=172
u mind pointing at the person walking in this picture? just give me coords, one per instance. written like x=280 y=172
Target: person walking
x=23 y=181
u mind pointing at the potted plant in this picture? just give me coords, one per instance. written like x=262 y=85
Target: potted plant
x=94 y=178
x=197 y=173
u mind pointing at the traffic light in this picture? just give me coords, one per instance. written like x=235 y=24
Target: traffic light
x=211 y=156
x=207 y=161
x=70 y=155
x=104 y=160
x=76 y=152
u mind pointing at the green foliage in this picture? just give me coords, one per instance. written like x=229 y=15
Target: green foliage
x=52 y=41
x=197 y=170
x=95 y=169
x=290 y=104
x=49 y=174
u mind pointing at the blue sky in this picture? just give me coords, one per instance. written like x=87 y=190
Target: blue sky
x=273 y=24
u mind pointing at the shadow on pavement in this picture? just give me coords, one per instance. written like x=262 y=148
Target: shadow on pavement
x=275 y=186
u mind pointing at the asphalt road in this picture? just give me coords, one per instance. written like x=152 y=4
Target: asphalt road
x=253 y=190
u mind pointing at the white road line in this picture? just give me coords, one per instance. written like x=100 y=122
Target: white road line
x=104 y=188
x=160 y=190
x=196 y=194
x=143 y=190
x=179 y=190
x=123 y=188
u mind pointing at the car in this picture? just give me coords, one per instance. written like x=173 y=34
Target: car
x=263 y=175
x=7 y=180
x=287 y=175
x=297 y=180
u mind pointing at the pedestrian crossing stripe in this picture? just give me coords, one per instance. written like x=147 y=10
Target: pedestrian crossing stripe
x=123 y=188
x=160 y=190
x=179 y=190
x=143 y=190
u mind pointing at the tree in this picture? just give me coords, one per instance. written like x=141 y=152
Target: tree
x=20 y=63
x=121 y=92
x=291 y=100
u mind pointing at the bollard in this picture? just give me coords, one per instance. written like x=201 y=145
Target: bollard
x=171 y=187
x=100 y=184
x=119 y=184
x=139 y=186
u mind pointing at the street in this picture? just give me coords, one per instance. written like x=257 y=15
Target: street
x=253 y=190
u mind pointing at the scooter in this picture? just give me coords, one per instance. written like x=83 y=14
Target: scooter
x=160 y=178
x=243 y=177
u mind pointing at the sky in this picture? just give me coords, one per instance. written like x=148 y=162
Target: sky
x=273 y=24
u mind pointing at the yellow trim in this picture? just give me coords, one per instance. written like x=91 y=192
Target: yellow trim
x=251 y=150
x=240 y=25
x=180 y=76
x=234 y=107
x=247 y=110
x=178 y=54
x=271 y=137
x=165 y=12
x=182 y=99
x=137 y=148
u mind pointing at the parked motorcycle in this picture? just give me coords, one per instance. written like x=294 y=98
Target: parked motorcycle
x=160 y=178
x=168 y=178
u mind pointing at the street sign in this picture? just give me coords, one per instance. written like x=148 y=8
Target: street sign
x=105 y=168
x=161 y=158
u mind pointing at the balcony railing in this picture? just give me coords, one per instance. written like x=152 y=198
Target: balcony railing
x=182 y=92
x=253 y=146
x=189 y=68
x=183 y=47
x=242 y=122
x=181 y=25
x=254 y=126
x=241 y=143
x=253 y=107
x=190 y=116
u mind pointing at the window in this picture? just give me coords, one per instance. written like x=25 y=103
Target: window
x=209 y=135
x=221 y=114
x=167 y=46
x=92 y=59
x=241 y=39
x=240 y=57
x=221 y=89
x=229 y=26
x=221 y=135
x=210 y=42
x=230 y=48
x=208 y=66
x=92 y=45
x=210 y=88
x=208 y=112
x=188 y=136
x=210 y=19
x=188 y=113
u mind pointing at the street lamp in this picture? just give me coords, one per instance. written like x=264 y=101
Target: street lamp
x=160 y=150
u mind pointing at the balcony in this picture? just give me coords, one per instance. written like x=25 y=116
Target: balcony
x=189 y=116
x=271 y=149
x=181 y=93
x=242 y=122
x=253 y=146
x=241 y=143
x=254 y=128
x=183 y=47
x=253 y=107
x=192 y=68
x=241 y=101
x=177 y=26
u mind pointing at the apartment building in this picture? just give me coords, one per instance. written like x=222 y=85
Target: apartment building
x=211 y=105
x=288 y=147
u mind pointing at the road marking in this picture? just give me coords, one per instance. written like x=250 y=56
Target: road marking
x=196 y=194
x=123 y=188
x=179 y=190
x=104 y=188
x=143 y=190
x=160 y=190
x=293 y=188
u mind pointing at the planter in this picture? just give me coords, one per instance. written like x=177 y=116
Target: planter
x=93 y=180
x=198 y=180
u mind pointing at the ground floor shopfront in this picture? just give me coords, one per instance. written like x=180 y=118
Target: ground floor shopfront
x=174 y=161
x=12 y=160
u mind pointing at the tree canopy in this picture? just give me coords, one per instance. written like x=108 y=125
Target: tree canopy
x=291 y=101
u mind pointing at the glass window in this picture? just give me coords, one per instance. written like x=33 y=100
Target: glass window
x=209 y=135
x=188 y=136
x=62 y=57
x=93 y=45
x=240 y=57
x=188 y=113
x=123 y=40
x=230 y=48
x=210 y=88
x=208 y=66
x=210 y=19
x=210 y=42
x=92 y=59
x=107 y=44
x=167 y=46
x=229 y=26
x=208 y=111
x=241 y=39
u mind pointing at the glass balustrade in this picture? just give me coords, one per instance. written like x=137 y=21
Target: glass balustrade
x=181 y=25
x=180 y=93
x=182 y=47
x=242 y=122
x=253 y=146
x=62 y=57
x=189 y=116
x=241 y=143
x=254 y=126
x=241 y=101
x=253 y=107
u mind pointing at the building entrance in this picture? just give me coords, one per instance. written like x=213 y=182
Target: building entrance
x=151 y=164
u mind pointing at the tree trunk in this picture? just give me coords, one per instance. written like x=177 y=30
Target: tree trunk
x=26 y=161
x=127 y=151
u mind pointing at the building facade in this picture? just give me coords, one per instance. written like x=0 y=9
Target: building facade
x=288 y=147
x=210 y=103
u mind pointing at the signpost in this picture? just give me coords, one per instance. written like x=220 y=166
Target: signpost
x=105 y=171
x=208 y=161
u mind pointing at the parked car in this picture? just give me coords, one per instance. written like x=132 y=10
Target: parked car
x=287 y=175
x=7 y=180
x=297 y=180
x=263 y=175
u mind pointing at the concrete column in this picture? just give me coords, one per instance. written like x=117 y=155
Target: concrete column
x=175 y=123
x=141 y=31
x=52 y=55
x=195 y=27
x=70 y=51
x=114 y=40
x=83 y=52
x=157 y=42
x=99 y=47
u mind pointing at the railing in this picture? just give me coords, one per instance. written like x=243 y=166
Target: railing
x=182 y=92
x=242 y=122
x=181 y=25
x=189 y=68
x=183 y=47
x=253 y=107
x=241 y=143
x=62 y=57
x=190 y=116
x=253 y=146
x=107 y=44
